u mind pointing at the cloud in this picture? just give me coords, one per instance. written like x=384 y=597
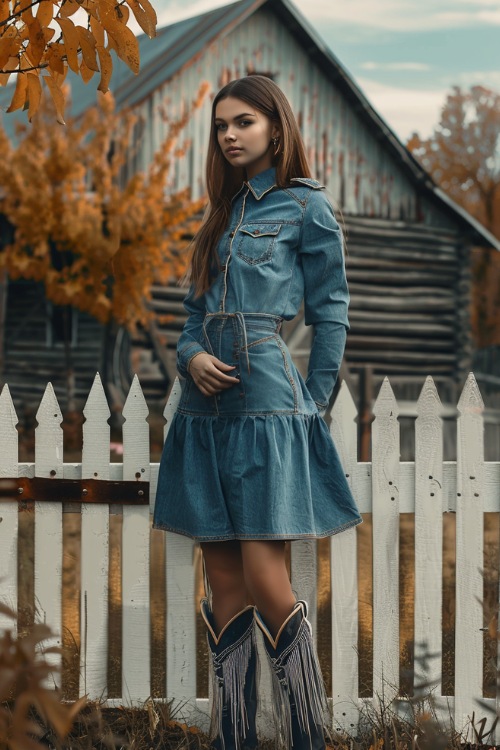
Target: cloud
x=405 y=110
x=490 y=16
x=490 y=79
x=178 y=11
x=407 y=15
x=391 y=66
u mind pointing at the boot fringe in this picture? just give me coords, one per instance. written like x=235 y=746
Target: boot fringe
x=228 y=685
x=298 y=682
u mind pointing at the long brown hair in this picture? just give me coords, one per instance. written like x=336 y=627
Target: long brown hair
x=224 y=180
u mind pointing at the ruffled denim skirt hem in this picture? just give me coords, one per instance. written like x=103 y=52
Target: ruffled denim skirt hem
x=272 y=476
x=263 y=537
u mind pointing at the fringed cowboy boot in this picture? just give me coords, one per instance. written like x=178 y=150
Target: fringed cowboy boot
x=300 y=702
x=234 y=701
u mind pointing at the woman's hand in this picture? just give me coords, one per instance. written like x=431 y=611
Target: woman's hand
x=208 y=373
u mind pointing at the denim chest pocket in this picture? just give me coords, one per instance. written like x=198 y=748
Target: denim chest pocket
x=256 y=242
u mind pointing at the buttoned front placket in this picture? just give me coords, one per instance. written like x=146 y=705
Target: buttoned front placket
x=225 y=267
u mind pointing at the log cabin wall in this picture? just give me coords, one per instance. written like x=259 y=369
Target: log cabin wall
x=34 y=351
x=407 y=283
x=409 y=315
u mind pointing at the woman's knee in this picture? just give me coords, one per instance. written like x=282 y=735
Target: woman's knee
x=224 y=567
x=264 y=569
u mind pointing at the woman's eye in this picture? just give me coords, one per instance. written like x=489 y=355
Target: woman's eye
x=219 y=125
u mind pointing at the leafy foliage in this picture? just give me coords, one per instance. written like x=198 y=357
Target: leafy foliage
x=97 y=238
x=463 y=156
x=41 y=40
x=23 y=673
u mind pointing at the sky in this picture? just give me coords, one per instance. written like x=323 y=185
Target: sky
x=405 y=55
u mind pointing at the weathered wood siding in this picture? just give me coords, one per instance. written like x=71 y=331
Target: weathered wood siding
x=344 y=152
x=30 y=358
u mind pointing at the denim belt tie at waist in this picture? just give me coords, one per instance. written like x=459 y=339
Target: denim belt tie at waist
x=240 y=320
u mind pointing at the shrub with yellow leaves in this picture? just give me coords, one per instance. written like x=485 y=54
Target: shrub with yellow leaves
x=96 y=240
x=95 y=234
x=23 y=673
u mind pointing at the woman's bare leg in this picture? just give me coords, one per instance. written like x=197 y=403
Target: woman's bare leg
x=267 y=580
x=224 y=568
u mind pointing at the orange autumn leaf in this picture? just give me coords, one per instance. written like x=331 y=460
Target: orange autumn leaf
x=125 y=43
x=58 y=98
x=68 y=8
x=106 y=62
x=34 y=94
x=85 y=72
x=71 y=42
x=37 y=41
x=20 y=94
x=88 y=44
x=10 y=43
x=4 y=10
x=97 y=31
x=145 y=15
x=9 y=67
x=45 y=12
x=55 y=58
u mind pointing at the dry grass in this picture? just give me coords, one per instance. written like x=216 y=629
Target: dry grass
x=156 y=728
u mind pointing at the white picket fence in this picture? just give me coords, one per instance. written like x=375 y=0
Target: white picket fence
x=384 y=487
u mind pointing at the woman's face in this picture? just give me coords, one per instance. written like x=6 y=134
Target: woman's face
x=248 y=132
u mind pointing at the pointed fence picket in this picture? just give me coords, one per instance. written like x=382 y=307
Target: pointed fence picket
x=136 y=622
x=344 y=579
x=428 y=539
x=384 y=488
x=9 y=511
x=95 y=548
x=48 y=527
x=180 y=576
x=385 y=509
x=469 y=555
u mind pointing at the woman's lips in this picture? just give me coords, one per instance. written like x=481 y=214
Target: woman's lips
x=233 y=151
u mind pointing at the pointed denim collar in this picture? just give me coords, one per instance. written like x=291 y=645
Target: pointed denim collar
x=262 y=182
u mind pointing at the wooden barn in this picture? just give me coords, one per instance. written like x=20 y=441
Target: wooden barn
x=409 y=245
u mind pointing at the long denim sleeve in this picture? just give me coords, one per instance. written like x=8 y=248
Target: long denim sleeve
x=190 y=339
x=326 y=296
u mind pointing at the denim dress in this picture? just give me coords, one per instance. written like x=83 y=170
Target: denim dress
x=257 y=460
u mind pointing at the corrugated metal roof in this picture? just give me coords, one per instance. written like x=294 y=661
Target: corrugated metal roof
x=178 y=44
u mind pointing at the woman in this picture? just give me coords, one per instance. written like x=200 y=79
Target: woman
x=249 y=462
